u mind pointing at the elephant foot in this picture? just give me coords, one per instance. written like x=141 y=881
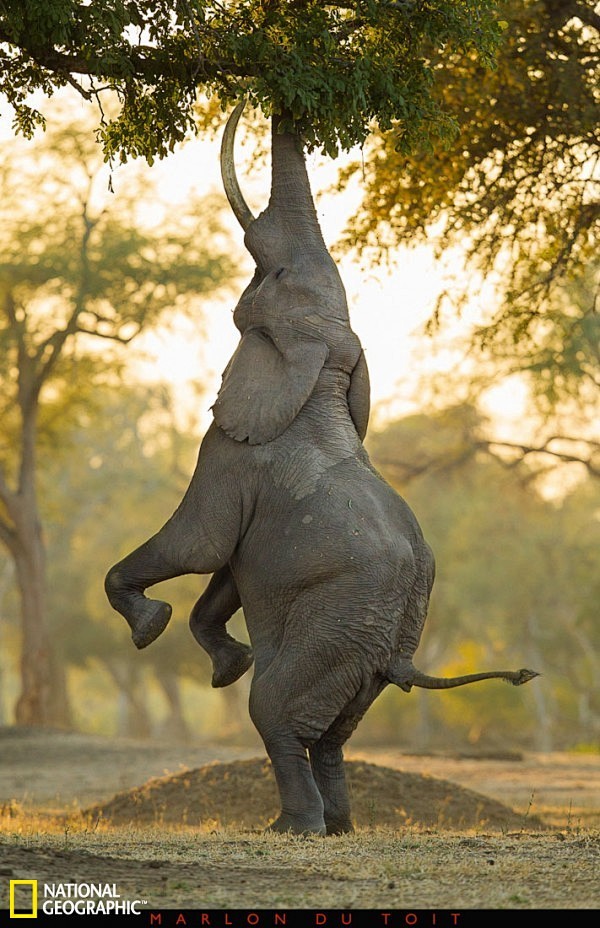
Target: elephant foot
x=339 y=827
x=147 y=618
x=230 y=662
x=149 y=622
x=297 y=825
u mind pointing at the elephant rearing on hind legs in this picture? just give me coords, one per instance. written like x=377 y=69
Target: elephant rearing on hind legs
x=289 y=515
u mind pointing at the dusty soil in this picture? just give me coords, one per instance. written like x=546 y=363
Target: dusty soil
x=243 y=793
x=182 y=828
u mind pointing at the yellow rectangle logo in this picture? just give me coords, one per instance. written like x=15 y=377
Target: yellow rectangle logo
x=34 y=898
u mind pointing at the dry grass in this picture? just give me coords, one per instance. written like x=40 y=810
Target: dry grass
x=44 y=836
x=210 y=868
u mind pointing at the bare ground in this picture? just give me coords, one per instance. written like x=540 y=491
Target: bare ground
x=433 y=832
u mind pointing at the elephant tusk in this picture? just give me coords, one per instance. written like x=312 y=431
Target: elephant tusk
x=232 y=189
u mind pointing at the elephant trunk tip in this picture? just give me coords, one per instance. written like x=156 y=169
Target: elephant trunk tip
x=523 y=676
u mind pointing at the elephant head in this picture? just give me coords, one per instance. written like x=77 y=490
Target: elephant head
x=293 y=316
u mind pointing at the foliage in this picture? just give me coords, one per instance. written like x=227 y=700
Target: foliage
x=73 y=269
x=559 y=352
x=517 y=188
x=332 y=68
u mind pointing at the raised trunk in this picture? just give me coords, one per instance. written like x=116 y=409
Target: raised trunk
x=288 y=229
x=290 y=188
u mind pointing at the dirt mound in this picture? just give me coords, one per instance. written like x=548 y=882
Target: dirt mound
x=243 y=793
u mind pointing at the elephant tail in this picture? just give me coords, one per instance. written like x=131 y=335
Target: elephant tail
x=404 y=674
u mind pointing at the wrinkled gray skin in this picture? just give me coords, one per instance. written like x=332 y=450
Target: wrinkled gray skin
x=288 y=514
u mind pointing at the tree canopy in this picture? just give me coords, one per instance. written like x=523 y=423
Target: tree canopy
x=332 y=68
x=517 y=187
x=516 y=194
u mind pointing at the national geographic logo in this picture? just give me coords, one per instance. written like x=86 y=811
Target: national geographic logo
x=23 y=895
x=28 y=897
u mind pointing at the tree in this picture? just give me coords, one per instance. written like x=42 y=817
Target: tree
x=75 y=274
x=332 y=68
x=516 y=188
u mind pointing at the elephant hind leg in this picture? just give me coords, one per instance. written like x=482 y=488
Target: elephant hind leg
x=327 y=762
x=230 y=658
x=327 y=759
x=301 y=802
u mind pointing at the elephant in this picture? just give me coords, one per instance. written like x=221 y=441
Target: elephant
x=288 y=514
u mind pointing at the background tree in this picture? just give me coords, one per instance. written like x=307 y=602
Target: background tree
x=517 y=186
x=516 y=193
x=515 y=578
x=74 y=275
x=514 y=183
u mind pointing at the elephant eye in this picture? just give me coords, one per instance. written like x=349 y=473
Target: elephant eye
x=279 y=273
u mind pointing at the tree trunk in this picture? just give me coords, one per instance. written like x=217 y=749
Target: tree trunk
x=543 y=737
x=133 y=716
x=43 y=699
x=174 y=727
x=5 y=578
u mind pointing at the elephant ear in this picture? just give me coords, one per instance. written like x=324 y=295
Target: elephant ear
x=359 y=396
x=266 y=384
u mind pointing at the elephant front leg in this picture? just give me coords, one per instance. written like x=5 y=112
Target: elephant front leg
x=125 y=584
x=230 y=658
x=199 y=538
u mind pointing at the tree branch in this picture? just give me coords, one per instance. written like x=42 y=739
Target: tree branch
x=114 y=337
x=57 y=340
x=565 y=457
x=143 y=60
x=7 y=535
